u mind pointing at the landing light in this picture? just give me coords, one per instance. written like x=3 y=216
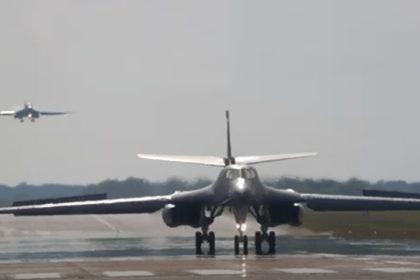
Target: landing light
x=241 y=184
x=241 y=227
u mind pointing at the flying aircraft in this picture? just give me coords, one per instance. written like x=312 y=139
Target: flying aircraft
x=238 y=189
x=29 y=112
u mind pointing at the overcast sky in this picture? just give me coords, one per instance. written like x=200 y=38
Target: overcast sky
x=338 y=77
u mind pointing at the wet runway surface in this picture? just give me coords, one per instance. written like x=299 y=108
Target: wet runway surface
x=46 y=249
x=115 y=248
x=313 y=266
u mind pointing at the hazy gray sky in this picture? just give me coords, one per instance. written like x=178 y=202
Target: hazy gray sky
x=338 y=77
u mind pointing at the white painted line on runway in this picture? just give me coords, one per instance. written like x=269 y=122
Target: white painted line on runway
x=128 y=273
x=124 y=259
x=67 y=260
x=401 y=262
x=215 y=272
x=27 y=276
x=394 y=269
x=10 y=261
x=305 y=270
x=364 y=259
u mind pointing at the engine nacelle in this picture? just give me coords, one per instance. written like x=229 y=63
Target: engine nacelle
x=186 y=215
x=289 y=215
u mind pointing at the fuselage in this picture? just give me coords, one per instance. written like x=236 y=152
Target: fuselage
x=27 y=112
x=239 y=188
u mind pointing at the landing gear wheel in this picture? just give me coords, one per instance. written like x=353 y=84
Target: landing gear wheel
x=261 y=238
x=236 y=244
x=238 y=241
x=212 y=242
x=200 y=238
x=245 y=243
x=272 y=243
x=258 y=241
x=198 y=243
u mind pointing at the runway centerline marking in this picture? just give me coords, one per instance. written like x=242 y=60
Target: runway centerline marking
x=27 y=276
x=305 y=270
x=394 y=269
x=128 y=273
x=215 y=272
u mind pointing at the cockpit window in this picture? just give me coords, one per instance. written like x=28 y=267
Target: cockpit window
x=233 y=174
x=240 y=173
x=249 y=174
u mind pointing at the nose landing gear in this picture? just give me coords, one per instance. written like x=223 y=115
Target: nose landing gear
x=237 y=241
x=241 y=238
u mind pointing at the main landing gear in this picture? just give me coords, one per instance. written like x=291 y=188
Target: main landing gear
x=202 y=238
x=265 y=244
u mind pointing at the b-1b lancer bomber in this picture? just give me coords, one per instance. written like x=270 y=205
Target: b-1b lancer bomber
x=237 y=189
x=30 y=113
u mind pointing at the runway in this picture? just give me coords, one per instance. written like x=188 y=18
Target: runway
x=136 y=247
x=315 y=266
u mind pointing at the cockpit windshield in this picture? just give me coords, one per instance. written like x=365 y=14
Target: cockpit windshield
x=233 y=174
x=246 y=173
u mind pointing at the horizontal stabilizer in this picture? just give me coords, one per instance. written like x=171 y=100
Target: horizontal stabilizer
x=204 y=160
x=269 y=158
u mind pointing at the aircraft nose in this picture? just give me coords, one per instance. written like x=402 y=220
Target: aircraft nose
x=241 y=187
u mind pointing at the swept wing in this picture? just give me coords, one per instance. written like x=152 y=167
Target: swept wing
x=7 y=113
x=146 y=204
x=107 y=206
x=323 y=202
x=54 y=113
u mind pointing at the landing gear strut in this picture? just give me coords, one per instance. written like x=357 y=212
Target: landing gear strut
x=262 y=238
x=204 y=238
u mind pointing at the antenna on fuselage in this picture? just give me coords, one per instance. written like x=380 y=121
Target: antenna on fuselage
x=229 y=159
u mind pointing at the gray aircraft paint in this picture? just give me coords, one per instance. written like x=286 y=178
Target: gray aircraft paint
x=30 y=113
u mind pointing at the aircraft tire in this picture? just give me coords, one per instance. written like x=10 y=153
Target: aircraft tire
x=198 y=242
x=245 y=243
x=258 y=241
x=212 y=243
x=272 y=243
x=236 y=244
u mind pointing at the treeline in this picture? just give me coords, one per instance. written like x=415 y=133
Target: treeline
x=141 y=187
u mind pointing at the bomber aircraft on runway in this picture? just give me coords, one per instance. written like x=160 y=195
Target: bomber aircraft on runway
x=237 y=188
x=30 y=113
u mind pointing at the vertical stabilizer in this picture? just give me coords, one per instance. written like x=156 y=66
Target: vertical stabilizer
x=229 y=159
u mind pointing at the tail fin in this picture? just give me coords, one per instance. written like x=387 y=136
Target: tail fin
x=229 y=159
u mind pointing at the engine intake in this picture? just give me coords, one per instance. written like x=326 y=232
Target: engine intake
x=185 y=215
x=289 y=215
